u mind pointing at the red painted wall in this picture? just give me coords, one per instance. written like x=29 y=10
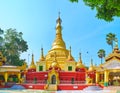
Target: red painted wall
x=71 y=87
x=92 y=75
x=34 y=86
x=63 y=76
x=80 y=76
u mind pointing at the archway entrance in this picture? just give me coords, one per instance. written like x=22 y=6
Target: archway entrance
x=53 y=79
x=114 y=78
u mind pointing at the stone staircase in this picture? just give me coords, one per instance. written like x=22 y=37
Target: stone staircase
x=52 y=87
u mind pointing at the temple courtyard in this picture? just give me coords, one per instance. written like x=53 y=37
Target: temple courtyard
x=110 y=89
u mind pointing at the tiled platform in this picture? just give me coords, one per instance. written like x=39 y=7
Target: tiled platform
x=42 y=91
x=110 y=89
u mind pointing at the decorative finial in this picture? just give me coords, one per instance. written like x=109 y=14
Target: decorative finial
x=59 y=19
x=42 y=51
x=91 y=68
x=70 y=58
x=32 y=66
x=59 y=14
x=42 y=55
x=32 y=57
x=80 y=59
x=91 y=62
x=70 y=49
x=80 y=55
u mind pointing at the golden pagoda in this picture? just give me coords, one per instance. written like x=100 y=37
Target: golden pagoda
x=58 y=66
x=32 y=65
x=70 y=58
x=42 y=58
x=63 y=56
x=79 y=63
x=92 y=67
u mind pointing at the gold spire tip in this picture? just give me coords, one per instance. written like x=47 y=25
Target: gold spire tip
x=59 y=14
x=80 y=55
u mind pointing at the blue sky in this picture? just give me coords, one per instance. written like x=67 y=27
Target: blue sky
x=37 y=20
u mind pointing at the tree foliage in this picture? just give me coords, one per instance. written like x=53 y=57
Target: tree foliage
x=73 y=0
x=110 y=39
x=1 y=37
x=101 y=54
x=12 y=46
x=106 y=9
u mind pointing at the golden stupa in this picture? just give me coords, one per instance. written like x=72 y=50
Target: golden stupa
x=58 y=52
x=32 y=65
x=92 y=67
x=80 y=64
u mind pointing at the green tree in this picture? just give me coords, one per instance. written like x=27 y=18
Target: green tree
x=1 y=38
x=106 y=9
x=110 y=38
x=101 y=54
x=13 y=46
x=74 y=0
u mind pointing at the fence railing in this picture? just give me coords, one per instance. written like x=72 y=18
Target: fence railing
x=61 y=82
x=34 y=82
x=72 y=82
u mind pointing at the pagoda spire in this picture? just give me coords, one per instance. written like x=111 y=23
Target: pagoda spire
x=70 y=58
x=58 y=42
x=80 y=59
x=79 y=63
x=91 y=68
x=42 y=58
x=59 y=21
x=32 y=65
x=91 y=62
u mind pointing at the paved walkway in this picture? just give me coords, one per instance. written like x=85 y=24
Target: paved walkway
x=112 y=88
x=41 y=91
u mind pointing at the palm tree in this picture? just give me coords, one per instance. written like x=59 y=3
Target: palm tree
x=101 y=54
x=110 y=38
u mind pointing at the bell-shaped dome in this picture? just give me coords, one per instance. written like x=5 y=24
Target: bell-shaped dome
x=80 y=65
x=54 y=64
x=91 y=68
x=58 y=43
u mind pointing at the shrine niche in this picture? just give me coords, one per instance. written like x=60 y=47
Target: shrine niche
x=53 y=77
x=114 y=78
